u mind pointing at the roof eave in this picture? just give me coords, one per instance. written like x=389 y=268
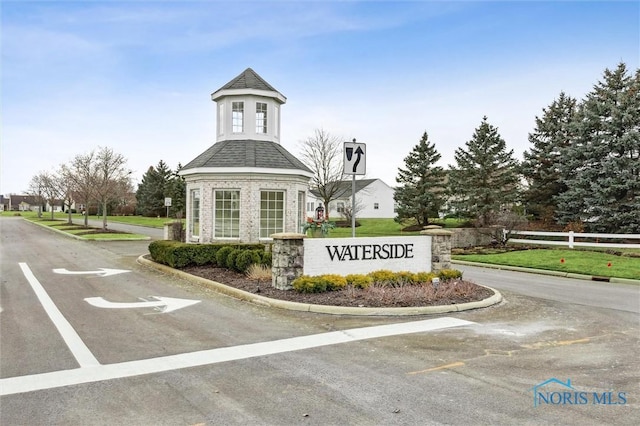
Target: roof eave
x=257 y=92
x=243 y=170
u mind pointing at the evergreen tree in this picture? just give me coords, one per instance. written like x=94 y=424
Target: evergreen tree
x=151 y=191
x=601 y=166
x=177 y=190
x=485 y=179
x=541 y=165
x=420 y=194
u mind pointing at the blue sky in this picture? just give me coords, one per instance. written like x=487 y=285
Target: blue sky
x=136 y=76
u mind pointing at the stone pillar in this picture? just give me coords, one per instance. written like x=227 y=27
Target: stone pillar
x=440 y=248
x=287 y=259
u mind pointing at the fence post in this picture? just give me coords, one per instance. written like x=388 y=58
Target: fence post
x=570 y=239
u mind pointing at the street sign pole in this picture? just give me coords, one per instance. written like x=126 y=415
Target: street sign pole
x=353 y=206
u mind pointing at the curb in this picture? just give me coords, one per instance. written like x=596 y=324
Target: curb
x=322 y=309
x=545 y=272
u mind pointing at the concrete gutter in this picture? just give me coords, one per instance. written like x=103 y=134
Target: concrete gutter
x=321 y=309
x=545 y=272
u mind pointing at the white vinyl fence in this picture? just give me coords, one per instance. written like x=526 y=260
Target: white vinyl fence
x=569 y=239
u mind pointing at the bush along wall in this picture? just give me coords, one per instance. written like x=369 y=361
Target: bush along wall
x=181 y=255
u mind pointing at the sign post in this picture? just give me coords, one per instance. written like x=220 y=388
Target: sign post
x=167 y=204
x=355 y=163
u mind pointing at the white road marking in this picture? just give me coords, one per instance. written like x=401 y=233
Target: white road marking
x=164 y=304
x=77 y=347
x=21 y=384
x=101 y=272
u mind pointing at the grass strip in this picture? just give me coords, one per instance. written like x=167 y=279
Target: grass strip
x=584 y=262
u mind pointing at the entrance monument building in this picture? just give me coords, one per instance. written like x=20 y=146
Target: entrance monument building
x=246 y=186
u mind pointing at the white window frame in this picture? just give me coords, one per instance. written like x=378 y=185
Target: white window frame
x=194 y=210
x=229 y=222
x=261 y=117
x=269 y=207
x=302 y=213
x=237 y=117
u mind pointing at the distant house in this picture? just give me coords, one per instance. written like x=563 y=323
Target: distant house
x=23 y=203
x=58 y=206
x=4 y=203
x=374 y=199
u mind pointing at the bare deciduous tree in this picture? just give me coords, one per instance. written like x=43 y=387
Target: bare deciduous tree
x=80 y=175
x=111 y=179
x=348 y=212
x=323 y=154
x=47 y=187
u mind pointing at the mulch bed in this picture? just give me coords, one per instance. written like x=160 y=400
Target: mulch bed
x=451 y=292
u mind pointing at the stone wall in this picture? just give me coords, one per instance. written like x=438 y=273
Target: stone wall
x=468 y=237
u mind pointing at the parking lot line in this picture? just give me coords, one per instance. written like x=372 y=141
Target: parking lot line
x=98 y=373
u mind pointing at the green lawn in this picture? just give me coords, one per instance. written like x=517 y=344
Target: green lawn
x=585 y=262
x=61 y=224
x=385 y=227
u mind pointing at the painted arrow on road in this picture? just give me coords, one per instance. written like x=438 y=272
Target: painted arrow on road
x=164 y=304
x=103 y=272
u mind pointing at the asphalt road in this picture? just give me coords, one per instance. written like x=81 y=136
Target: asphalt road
x=622 y=297
x=223 y=361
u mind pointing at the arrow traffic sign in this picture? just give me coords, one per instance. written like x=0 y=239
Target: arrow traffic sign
x=355 y=158
x=103 y=272
x=163 y=304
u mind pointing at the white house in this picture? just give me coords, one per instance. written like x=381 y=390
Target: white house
x=374 y=199
x=246 y=186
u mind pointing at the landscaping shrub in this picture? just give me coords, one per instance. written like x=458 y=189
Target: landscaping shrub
x=258 y=272
x=306 y=284
x=449 y=274
x=405 y=277
x=231 y=259
x=424 y=277
x=222 y=254
x=383 y=277
x=247 y=258
x=205 y=254
x=333 y=281
x=266 y=258
x=359 y=280
x=172 y=253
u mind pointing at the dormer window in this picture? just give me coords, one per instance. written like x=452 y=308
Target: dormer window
x=261 y=117
x=237 y=117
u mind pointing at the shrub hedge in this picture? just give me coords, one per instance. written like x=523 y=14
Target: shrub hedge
x=181 y=255
x=329 y=282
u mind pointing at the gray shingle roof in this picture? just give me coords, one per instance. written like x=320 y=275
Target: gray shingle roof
x=248 y=79
x=247 y=153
